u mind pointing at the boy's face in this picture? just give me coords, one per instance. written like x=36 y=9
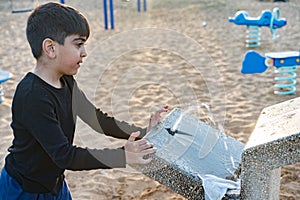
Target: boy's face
x=71 y=54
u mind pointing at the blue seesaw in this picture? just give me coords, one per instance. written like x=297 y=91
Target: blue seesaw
x=4 y=76
x=285 y=64
x=267 y=18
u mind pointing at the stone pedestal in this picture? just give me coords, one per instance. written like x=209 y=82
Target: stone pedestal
x=275 y=142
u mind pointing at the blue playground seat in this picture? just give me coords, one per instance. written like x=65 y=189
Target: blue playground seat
x=4 y=76
x=265 y=19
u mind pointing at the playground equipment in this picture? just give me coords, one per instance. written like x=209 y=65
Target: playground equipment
x=20 y=6
x=267 y=18
x=139 y=5
x=4 y=76
x=111 y=12
x=285 y=63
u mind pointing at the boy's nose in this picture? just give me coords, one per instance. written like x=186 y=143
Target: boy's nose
x=83 y=52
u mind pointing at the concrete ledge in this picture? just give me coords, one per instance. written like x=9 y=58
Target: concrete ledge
x=195 y=149
x=177 y=180
x=275 y=142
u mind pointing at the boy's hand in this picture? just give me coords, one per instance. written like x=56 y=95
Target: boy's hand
x=155 y=117
x=136 y=150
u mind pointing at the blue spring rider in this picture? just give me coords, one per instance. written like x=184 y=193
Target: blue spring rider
x=4 y=76
x=267 y=18
x=285 y=64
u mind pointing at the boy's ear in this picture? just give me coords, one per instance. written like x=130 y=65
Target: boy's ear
x=48 y=47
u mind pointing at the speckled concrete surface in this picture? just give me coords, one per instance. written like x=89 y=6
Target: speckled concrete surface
x=275 y=142
x=182 y=157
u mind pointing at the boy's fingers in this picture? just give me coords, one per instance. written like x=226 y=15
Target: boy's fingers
x=149 y=151
x=165 y=108
x=146 y=146
x=142 y=142
x=162 y=109
x=146 y=161
x=133 y=136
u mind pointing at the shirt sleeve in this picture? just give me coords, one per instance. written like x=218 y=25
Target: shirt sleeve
x=99 y=120
x=39 y=118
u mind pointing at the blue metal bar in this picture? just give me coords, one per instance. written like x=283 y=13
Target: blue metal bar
x=145 y=5
x=111 y=8
x=62 y=1
x=105 y=14
x=139 y=5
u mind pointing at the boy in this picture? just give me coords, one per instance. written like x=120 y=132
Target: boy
x=44 y=110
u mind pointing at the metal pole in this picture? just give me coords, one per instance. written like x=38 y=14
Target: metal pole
x=145 y=5
x=105 y=14
x=139 y=5
x=62 y=1
x=111 y=8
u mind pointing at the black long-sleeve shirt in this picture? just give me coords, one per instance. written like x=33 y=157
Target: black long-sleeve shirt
x=43 y=123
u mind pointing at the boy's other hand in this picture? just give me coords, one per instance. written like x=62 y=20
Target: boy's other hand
x=156 y=117
x=135 y=150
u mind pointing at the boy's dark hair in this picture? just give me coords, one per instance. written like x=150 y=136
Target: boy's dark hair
x=55 y=21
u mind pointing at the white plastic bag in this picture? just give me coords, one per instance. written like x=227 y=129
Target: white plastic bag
x=215 y=188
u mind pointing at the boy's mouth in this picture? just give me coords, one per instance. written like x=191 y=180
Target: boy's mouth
x=79 y=63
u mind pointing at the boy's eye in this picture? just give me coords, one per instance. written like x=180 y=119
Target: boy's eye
x=80 y=44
